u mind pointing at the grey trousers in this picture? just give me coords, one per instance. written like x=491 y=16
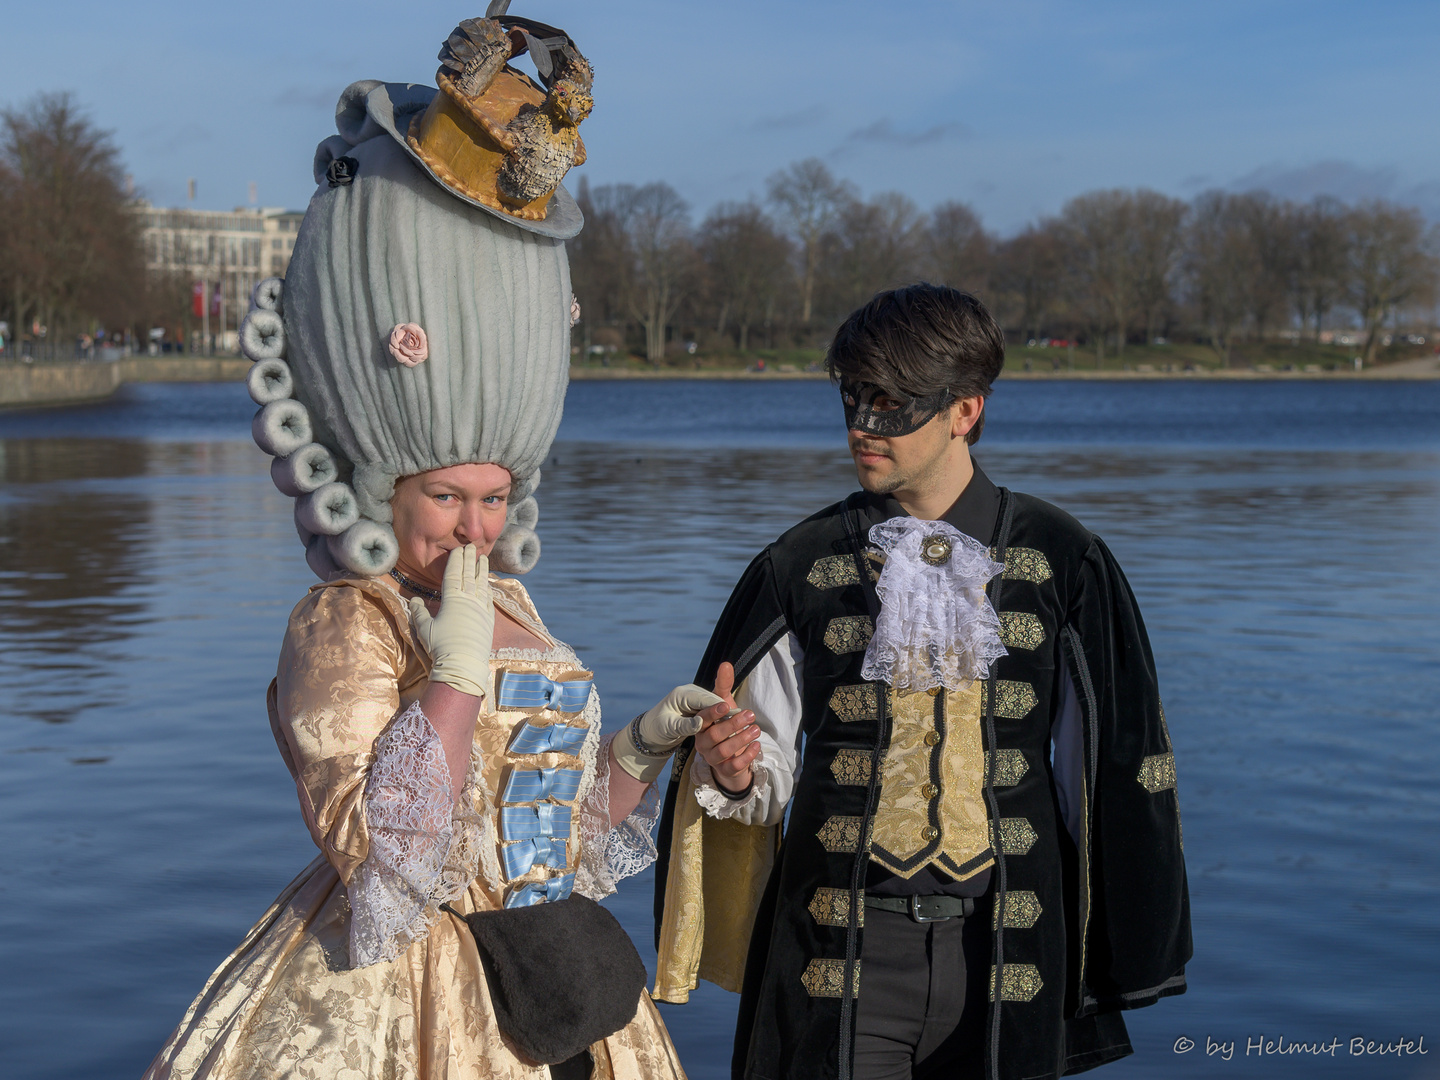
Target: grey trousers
x=920 y=1014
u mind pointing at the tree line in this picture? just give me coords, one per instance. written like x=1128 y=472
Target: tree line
x=1114 y=267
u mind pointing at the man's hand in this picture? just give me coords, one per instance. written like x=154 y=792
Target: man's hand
x=729 y=743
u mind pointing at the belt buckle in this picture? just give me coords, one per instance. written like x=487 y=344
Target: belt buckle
x=915 y=915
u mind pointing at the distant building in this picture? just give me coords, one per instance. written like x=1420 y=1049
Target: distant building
x=225 y=252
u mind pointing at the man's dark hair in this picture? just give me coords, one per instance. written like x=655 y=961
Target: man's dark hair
x=920 y=340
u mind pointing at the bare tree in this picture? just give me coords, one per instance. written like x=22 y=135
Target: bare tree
x=1100 y=229
x=658 y=225
x=1028 y=272
x=1268 y=228
x=1317 y=267
x=601 y=263
x=874 y=245
x=71 y=252
x=808 y=199
x=1220 y=266
x=958 y=250
x=1159 y=224
x=746 y=260
x=1388 y=266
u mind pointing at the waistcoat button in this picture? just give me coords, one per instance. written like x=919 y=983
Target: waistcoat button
x=930 y=832
x=932 y=738
x=929 y=790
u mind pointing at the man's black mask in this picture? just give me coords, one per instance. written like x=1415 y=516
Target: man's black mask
x=901 y=416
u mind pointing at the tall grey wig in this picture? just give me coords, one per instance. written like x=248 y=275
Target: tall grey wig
x=384 y=251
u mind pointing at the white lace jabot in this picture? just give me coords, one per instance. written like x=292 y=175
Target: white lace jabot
x=936 y=625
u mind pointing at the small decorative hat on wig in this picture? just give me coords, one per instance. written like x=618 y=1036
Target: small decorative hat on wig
x=425 y=318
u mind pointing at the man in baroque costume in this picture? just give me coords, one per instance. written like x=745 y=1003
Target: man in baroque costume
x=981 y=863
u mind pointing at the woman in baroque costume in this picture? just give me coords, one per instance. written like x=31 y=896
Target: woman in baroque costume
x=445 y=745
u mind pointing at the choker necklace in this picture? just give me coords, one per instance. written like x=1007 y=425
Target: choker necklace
x=415 y=586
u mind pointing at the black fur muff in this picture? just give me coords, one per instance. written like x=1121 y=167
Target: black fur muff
x=562 y=975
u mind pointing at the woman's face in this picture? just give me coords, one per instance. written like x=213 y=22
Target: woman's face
x=443 y=509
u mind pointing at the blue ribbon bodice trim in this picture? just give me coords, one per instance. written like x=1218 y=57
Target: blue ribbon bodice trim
x=545 y=850
x=541 y=892
x=529 y=822
x=531 y=690
x=550 y=739
x=532 y=785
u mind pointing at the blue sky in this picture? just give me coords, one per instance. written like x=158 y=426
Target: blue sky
x=1013 y=107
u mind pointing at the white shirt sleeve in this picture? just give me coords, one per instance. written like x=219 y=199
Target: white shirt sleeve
x=772 y=692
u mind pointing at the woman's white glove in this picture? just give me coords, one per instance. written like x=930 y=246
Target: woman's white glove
x=643 y=746
x=458 y=639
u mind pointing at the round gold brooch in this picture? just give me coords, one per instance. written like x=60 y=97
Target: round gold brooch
x=935 y=549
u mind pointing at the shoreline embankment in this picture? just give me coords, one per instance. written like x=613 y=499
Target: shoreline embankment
x=74 y=382
x=55 y=384
x=1425 y=368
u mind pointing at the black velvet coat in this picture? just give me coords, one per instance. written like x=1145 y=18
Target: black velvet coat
x=1089 y=929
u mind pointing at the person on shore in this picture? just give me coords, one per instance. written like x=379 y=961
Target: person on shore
x=981 y=863
x=444 y=743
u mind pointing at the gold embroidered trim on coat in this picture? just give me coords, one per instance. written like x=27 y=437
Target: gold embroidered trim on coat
x=840 y=834
x=851 y=767
x=852 y=703
x=1022 y=908
x=1021 y=630
x=849 y=633
x=1165 y=727
x=677 y=765
x=1016 y=835
x=831 y=907
x=826 y=978
x=1020 y=982
x=874 y=562
x=1157 y=773
x=833 y=571
x=1013 y=700
x=1025 y=564
x=1010 y=767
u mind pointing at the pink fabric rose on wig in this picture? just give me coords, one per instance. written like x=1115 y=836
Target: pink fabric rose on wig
x=574 y=309
x=408 y=344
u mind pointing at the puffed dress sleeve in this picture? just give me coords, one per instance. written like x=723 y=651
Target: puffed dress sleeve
x=338 y=687
x=370 y=771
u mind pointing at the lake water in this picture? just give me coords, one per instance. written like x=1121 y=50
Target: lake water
x=1281 y=537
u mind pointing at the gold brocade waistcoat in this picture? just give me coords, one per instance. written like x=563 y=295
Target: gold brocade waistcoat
x=932 y=805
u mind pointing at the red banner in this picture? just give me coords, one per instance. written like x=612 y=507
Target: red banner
x=197 y=299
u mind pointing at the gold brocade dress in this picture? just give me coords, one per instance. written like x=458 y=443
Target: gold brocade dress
x=353 y=973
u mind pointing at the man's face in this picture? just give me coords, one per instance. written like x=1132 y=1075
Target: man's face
x=888 y=463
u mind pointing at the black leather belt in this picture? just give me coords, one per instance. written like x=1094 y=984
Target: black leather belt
x=924 y=908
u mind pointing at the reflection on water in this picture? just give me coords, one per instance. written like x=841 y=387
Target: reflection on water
x=1289 y=585
x=69 y=572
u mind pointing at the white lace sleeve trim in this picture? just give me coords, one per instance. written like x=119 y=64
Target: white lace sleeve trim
x=425 y=845
x=718 y=805
x=610 y=854
x=772 y=692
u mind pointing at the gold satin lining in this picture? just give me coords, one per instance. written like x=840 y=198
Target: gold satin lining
x=718 y=870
